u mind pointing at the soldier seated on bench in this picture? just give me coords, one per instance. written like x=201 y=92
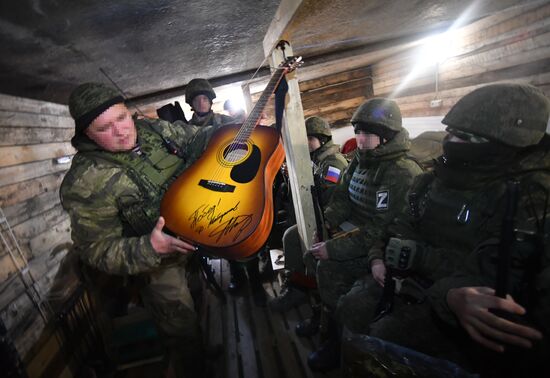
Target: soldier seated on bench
x=471 y=251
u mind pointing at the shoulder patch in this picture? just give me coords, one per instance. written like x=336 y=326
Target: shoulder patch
x=333 y=174
x=382 y=199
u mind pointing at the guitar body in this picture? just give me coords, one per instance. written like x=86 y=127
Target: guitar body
x=223 y=202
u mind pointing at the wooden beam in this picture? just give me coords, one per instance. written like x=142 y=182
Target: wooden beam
x=26 y=105
x=34 y=152
x=247 y=98
x=297 y=154
x=16 y=136
x=286 y=11
x=17 y=173
x=11 y=118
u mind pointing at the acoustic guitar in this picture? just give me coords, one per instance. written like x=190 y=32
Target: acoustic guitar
x=223 y=202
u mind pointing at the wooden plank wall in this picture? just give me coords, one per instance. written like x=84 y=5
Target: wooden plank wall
x=33 y=135
x=513 y=45
x=334 y=97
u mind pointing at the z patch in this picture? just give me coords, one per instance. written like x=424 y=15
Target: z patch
x=382 y=199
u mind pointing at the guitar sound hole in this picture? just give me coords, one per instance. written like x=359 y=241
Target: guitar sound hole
x=235 y=152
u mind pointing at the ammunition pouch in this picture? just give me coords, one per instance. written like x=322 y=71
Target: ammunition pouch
x=402 y=255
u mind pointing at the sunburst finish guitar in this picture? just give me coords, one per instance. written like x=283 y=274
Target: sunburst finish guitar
x=223 y=201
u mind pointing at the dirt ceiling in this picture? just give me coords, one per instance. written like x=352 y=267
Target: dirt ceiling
x=150 y=46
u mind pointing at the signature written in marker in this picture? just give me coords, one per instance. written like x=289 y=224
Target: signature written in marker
x=219 y=223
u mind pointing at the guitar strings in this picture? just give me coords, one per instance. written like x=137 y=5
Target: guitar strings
x=247 y=127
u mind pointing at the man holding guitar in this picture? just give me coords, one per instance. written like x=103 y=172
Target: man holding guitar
x=112 y=193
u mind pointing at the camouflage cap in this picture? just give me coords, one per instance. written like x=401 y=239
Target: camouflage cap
x=89 y=100
x=317 y=126
x=197 y=87
x=514 y=114
x=379 y=111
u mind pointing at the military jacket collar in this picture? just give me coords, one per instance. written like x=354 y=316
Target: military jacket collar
x=327 y=149
x=390 y=150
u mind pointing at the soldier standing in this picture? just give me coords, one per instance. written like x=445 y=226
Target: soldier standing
x=112 y=193
x=328 y=165
x=473 y=244
x=199 y=95
x=371 y=193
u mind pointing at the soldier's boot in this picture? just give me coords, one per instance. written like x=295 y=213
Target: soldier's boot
x=310 y=326
x=327 y=357
x=258 y=292
x=238 y=277
x=291 y=296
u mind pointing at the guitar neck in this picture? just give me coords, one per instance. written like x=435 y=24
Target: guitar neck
x=256 y=113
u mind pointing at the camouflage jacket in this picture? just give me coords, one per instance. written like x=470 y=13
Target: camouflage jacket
x=529 y=272
x=326 y=156
x=457 y=216
x=211 y=119
x=113 y=198
x=389 y=174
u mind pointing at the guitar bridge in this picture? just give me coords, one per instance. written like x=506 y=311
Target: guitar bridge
x=216 y=186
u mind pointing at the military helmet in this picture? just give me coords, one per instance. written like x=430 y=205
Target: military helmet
x=513 y=114
x=317 y=126
x=89 y=100
x=379 y=116
x=198 y=87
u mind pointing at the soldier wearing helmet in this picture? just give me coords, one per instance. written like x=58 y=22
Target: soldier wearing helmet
x=112 y=193
x=472 y=249
x=370 y=194
x=328 y=164
x=326 y=158
x=199 y=95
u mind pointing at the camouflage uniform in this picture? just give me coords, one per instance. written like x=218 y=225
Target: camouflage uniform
x=324 y=159
x=370 y=195
x=202 y=86
x=456 y=216
x=113 y=200
x=379 y=178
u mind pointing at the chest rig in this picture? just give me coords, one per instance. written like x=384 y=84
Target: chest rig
x=152 y=166
x=462 y=218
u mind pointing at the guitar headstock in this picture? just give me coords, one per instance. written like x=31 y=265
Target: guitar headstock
x=291 y=63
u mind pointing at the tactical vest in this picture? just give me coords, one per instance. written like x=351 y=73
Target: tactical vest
x=152 y=168
x=363 y=188
x=461 y=217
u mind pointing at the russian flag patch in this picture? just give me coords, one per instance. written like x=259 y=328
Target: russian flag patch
x=333 y=174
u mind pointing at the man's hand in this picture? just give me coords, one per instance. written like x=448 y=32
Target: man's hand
x=163 y=243
x=471 y=306
x=319 y=251
x=378 y=270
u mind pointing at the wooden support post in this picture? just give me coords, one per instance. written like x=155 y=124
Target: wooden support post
x=247 y=98
x=297 y=153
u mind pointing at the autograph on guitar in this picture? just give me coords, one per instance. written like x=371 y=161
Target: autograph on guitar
x=224 y=202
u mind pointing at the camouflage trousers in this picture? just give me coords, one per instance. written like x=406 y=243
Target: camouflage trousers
x=415 y=326
x=167 y=296
x=336 y=278
x=411 y=325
